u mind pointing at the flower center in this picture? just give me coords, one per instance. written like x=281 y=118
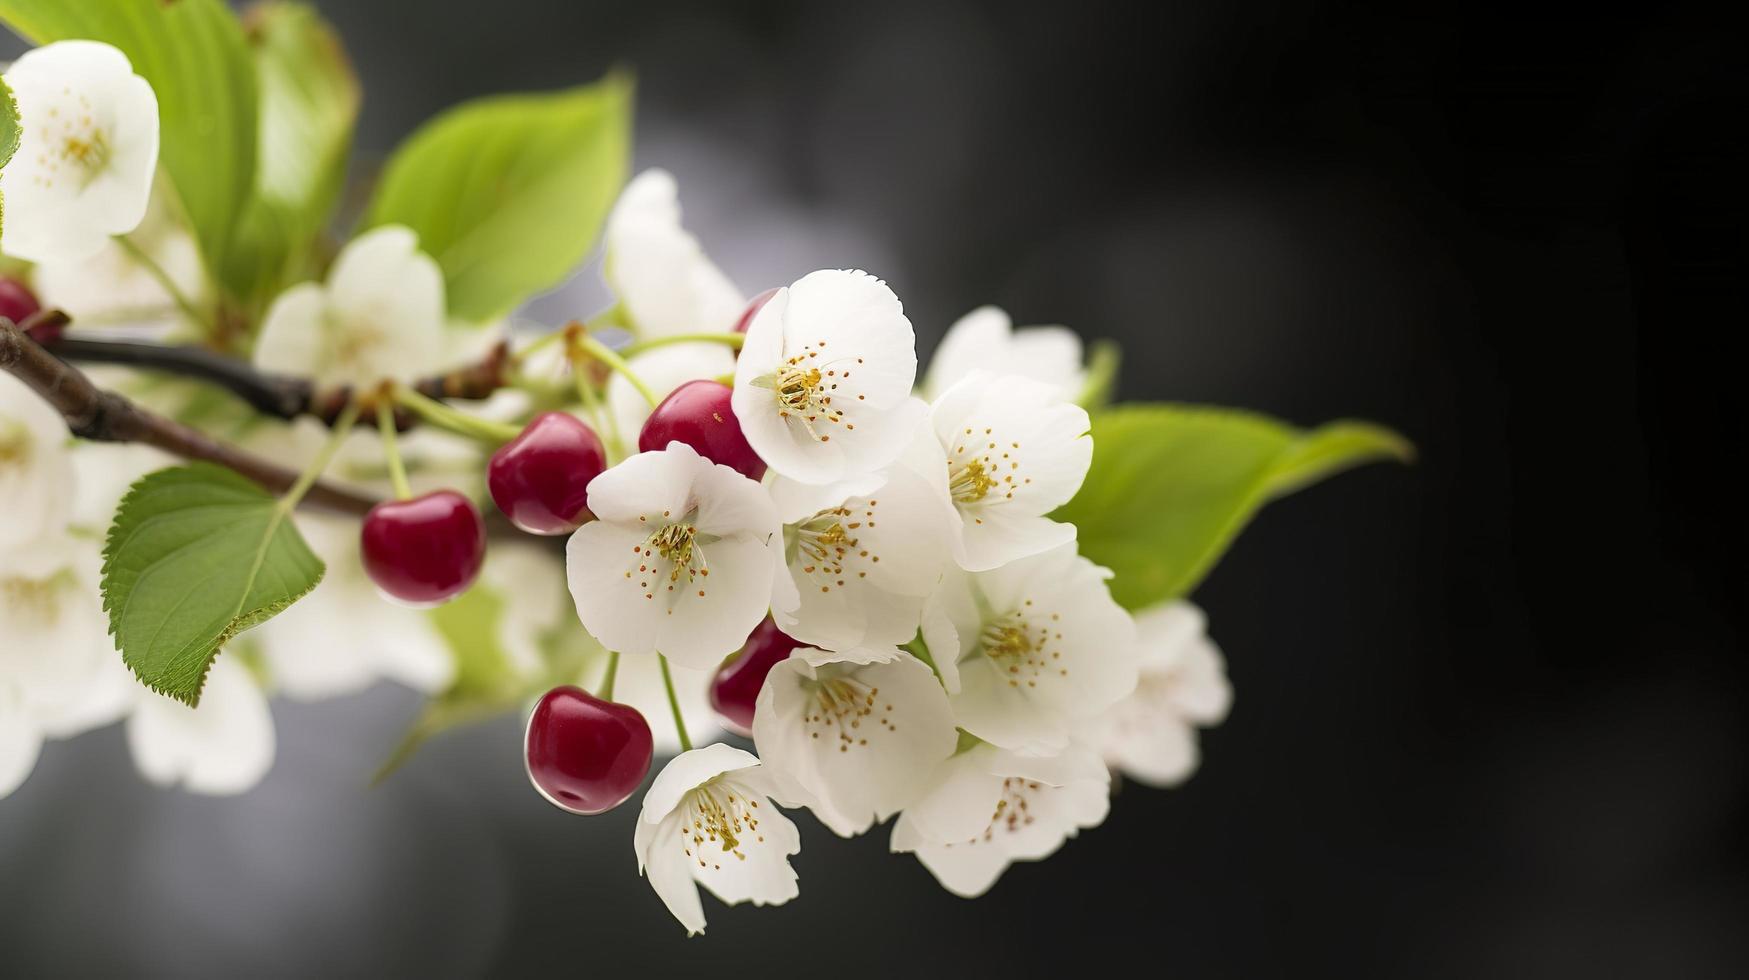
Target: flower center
x=1022 y=649
x=15 y=443
x=712 y=819
x=679 y=546
x=979 y=466
x=805 y=388
x=30 y=603
x=841 y=705
x=827 y=545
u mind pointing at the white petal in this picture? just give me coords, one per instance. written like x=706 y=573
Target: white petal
x=658 y=270
x=686 y=772
x=20 y=741
x=957 y=806
x=984 y=340
x=662 y=858
x=292 y=338
x=35 y=468
x=764 y=877
x=221 y=748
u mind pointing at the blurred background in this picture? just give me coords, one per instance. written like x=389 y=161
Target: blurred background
x=1490 y=715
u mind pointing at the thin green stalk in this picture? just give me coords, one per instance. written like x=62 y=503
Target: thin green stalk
x=734 y=340
x=342 y=428
x=605 y=421
x=443 y=416
x=163 y=279
x=392 y=449
x=611 y=358
x=606 y=691
x=674 y=705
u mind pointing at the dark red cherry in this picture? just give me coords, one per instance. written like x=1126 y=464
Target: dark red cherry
x=18 y=303
x=425 y=550
x=584 y=754
x=698 y=414
x=754 y=305
x=540 y=479
x=735 y=689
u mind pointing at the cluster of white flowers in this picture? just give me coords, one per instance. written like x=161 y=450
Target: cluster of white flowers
x=959 y=663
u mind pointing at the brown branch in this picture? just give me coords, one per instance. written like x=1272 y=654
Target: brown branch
x=104 y=416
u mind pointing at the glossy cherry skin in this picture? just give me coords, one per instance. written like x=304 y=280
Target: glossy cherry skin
x=18 y=303
x=426 y=550
x=586 y=755
x=540 y=479
x=754 y=305
x=698 y=414
x=735 y=688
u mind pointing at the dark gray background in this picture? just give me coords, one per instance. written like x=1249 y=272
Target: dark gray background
x=1490 y=711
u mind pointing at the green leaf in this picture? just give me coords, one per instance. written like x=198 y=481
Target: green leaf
x=193 y=53
x=196 y=555
x=509 y=192
x=309 y=106
x=1172 y=485
x=9 y=132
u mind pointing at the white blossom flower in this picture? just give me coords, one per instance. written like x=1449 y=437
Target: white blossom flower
x=679 y=559
x=860 y=558
x=859 y=732
x=989 y=808
x=665 y=283
x=380 y=315
x=221 y=748
x=36 y=470
x=985 y=340
x=1031 y=650
x=1151 y=735
x=21 y=739
x=662 y=370
x=823 y=383
x=708 y=820
x=528 y=581
x=87 y=150
x=344 y=636
x=1008 y=452
x=116 y=288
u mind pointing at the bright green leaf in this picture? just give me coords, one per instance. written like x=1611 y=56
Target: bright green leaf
x=193 y=53
x=509 y=192
x=309 y=105
x=1172 y=485
x=196 y=555
x=9 y=132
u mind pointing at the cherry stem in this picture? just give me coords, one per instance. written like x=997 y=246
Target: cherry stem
x=606 y=692
x=434 y=412
x=598 y=412
x=608 y=356
x=392 y=449
x=734 y=340
x=342 y=429
x=674 y=705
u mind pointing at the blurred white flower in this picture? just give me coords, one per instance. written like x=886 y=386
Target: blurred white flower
x=708 y=820
x=36 y=469
x=344 y=636
x=115 y=288
x=985 y=340
x=1032 y=650
x=1151 y=735
x=679 y=559
x=1008 y=452
x=379 y=316
x=989 y=808
x=221 y=748
x=87 y=150
x=859 y=732
x=665 y=283
x=823 y=383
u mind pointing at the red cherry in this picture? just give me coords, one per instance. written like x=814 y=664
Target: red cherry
x=698 y=414
x=754 y=305
x=735 y=689
x=540 y=479
x=18 y=303
x=426 y=550
x=584 y=754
